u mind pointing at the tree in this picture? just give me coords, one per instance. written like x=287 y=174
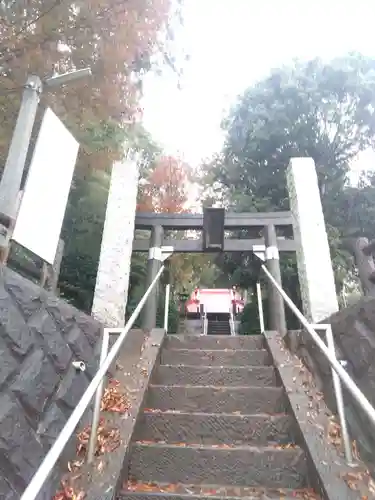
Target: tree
x=121 y=41
x=118 y=40
x=315 y=109
x=166 y=190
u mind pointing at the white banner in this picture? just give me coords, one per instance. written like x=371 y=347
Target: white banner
x=42 y=210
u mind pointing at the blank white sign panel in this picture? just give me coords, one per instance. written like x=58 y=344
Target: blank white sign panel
x=43 y=205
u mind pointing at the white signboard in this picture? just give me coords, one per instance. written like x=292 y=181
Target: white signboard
x=42 y=210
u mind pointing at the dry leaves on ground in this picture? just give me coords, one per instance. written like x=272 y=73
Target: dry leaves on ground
x=108 y=439
x=150 y=487
x=113 y=399
x=68 y=493
x=334 y=432
x=353 y=480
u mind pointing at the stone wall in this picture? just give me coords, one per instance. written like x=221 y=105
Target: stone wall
x=354 y=334
x=40 y=337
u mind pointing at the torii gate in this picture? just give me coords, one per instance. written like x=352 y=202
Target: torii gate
x=310 y=242
x=213 y=223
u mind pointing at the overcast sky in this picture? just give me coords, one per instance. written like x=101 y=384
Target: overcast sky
x=233 y=43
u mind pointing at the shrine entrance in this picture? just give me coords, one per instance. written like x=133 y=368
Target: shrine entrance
x=308 y=238
x=213 y=224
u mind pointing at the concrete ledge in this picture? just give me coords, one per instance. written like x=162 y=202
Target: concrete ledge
x=134 y=368
x=326 y=466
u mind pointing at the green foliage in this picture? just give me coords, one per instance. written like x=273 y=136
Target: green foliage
x=315 y=109
x=249 y=320
x=173 y=314
x=134 y=298
x=311 y=109
x=84 y=222
x=82 y=233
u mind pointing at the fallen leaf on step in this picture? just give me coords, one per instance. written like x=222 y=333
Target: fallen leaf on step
x=113 y=399
x=132 y=485
x=334 y=433
x=75 y=465
x=68 y=493
x=168 y=488
x=353 y=478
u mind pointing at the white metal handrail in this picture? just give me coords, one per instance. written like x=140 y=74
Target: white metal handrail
x=205 y=324
x=345 y=378
x=338 y=392
x=58 y=446
x=231 y=322
x=166 y=306
x=260 y=308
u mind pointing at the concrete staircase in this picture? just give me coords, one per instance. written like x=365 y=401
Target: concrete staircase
x=215 y=425
x=218 y=326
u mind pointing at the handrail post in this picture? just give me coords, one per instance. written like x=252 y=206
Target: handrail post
x=231 y=321
x=339 y=401
x=166 y=306
x=276 y=309
x=153 y=266
x=98 y=401
x=205 y=324
x=337 y=387
x=260 y=307
x=345 y=378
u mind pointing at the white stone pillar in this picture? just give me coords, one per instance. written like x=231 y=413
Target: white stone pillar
x=112 y=281
x=313 y=255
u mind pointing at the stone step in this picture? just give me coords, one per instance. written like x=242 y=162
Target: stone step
x=215 y=357
x=268 y=467
x=251 y=342
x=208 y=399
x=211 y=429
x=215 y=375
x=218 y=327
x=215 y=331
x=163 y=491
